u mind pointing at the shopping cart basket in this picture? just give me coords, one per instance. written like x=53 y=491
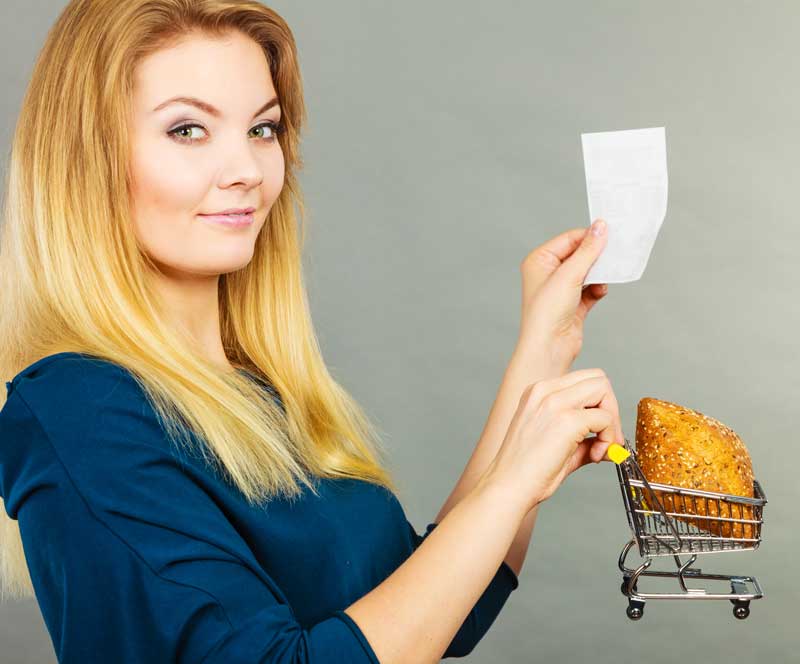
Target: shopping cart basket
x=659 y=532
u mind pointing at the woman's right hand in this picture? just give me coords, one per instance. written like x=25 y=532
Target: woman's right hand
x=545 y=440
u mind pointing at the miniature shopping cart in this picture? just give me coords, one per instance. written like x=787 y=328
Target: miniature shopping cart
x=660 y=533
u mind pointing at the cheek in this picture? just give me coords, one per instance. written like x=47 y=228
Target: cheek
x=167 y=193
x=171 y=186
x=273 y=167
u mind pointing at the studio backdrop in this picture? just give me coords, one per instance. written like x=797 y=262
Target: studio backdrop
x=443 y=145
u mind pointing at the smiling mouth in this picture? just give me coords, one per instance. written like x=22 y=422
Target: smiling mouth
x=235 y=220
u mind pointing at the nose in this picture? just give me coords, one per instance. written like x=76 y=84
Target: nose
x=242 y=165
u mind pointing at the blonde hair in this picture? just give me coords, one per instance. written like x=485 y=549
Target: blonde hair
x=68 y=237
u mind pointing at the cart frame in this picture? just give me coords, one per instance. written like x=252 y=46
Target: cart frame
x=659 y=533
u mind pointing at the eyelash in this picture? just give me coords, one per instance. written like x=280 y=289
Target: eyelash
x=277 y=129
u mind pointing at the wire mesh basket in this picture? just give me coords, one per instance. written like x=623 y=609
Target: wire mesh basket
x=668 y=520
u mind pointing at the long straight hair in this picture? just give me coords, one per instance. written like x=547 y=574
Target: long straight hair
x=67 y=237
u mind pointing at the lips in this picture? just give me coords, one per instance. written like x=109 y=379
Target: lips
x=231 y=211
x=233 y=217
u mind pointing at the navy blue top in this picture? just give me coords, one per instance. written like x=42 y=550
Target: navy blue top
x=141 y=553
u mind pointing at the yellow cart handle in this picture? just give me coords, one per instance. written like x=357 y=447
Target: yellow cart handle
x=617 y=453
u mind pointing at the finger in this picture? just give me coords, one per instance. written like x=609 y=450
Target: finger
x=609 y=399
x=548 y=257
x=599 y=421
x=575 y=268
x=585 y=306
x=589 y=298
x=560 y=382
x=597 y=449
x=581 y=456
x=599 y=289
x=590 y=393
x=610 y=403
x=571 y=378
x=613 y=405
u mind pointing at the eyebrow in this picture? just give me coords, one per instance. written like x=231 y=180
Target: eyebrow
x=208 y=108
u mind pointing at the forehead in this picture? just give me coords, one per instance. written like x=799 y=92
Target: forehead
x=229 y=71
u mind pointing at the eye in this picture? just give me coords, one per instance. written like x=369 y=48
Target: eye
x=276 y=128
x=179 y=133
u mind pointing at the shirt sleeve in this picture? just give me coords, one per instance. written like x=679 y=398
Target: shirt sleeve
x=486 y=609
x=140 y=564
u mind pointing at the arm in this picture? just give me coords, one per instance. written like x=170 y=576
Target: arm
x=521 y=371
x=482 y=616
x=415 y=613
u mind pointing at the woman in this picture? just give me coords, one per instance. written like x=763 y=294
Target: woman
x=184 y=479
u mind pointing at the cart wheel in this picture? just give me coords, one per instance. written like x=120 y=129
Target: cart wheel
x=624 y=587
x=635 y=610
x=741 y=610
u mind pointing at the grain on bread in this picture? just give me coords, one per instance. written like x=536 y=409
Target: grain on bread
x=682 y=447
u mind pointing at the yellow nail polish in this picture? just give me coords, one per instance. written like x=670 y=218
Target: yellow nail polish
x=617 y=453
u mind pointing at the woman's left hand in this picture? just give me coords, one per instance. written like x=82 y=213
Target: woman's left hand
x=554 y=301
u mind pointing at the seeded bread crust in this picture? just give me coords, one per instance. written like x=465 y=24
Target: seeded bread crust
x=682 y=447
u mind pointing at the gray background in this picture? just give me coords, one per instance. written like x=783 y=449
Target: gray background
x=443 y=146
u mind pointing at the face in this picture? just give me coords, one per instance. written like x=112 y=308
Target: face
x=190 y=161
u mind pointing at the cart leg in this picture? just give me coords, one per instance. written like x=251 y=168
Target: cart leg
x=741 y=607
x=626 y=579
x=635 y=609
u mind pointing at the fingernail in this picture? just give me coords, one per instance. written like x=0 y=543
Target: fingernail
x=598 y=227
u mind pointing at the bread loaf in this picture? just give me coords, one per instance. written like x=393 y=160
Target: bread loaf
x=682 y=447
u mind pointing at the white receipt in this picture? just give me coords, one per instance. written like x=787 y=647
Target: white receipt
x=626 y=183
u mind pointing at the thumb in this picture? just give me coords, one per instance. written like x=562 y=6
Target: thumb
x=576 y=267
x=599 y=450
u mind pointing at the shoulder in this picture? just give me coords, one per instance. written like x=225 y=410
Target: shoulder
x=67 y=372
x=90 y=417
x=56 y=383
x=81 y=403
x=72 y=390
x=53 y=414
